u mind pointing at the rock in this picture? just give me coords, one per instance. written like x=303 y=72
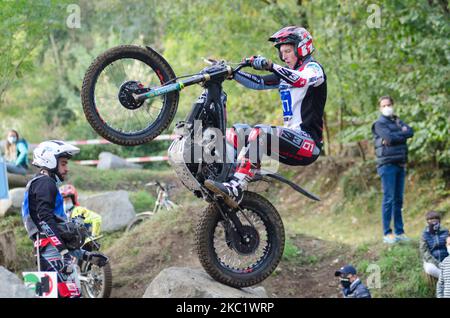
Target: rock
x=16 y=195
x=114 y=207
x=5 y=204
x=8 y=254
x=184 y=282
x=14 y=203
x=12 y=286
x=108 y=160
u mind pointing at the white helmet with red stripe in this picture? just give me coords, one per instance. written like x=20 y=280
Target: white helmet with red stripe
x=298 y=36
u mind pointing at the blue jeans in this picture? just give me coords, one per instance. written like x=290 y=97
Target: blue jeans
x=393 y=182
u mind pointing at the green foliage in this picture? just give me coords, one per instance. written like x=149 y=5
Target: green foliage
x=405 y=57
x=291 y=252
x=43 y=61
x=142 y=201
x=402 y=273
x=24 y=246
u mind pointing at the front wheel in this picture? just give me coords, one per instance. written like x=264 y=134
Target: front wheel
x=96 y=282
x=241 y=260
x=108 y=89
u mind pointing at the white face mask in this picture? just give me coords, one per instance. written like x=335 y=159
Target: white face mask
x=387 y=111
x=12 y=139
x=448 y=249
x=68 y=205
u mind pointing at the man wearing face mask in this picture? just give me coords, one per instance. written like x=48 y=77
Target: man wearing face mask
x=72 y=208
x=352 y=287
x=432 y=244
x=390 y=136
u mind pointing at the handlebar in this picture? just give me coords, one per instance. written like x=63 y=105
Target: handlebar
x=197 y=78
x=158 y=184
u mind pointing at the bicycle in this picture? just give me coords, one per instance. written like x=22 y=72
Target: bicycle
x=162 y=201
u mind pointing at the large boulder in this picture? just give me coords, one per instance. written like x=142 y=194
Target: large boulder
x=109 y=161
x=8 y=254
x=12 y=286
x=184 y=282
x=5 y=205
x=14 y=203
x=16 y=195
x=114 y=207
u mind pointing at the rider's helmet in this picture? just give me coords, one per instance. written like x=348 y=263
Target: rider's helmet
x=298 y=36
x=69 y=191
x=47 y=153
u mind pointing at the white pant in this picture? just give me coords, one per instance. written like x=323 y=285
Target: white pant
x=431 y=269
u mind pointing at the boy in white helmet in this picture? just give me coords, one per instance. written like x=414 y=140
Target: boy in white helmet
x=43 y=214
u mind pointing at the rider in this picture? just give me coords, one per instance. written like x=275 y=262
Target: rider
x=72 y=208
x=303 y=91
x=44 y=218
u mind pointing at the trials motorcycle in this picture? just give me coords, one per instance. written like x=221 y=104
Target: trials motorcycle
x=130 y=95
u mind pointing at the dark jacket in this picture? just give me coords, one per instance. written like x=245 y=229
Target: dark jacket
x=357 y=290
x=43 y=203
x=395 y=150
x=433 y=246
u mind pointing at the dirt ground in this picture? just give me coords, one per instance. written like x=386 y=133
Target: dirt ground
x=311 y=274
x=136 y=259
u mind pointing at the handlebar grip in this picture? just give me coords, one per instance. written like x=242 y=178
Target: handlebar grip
x=247 y=61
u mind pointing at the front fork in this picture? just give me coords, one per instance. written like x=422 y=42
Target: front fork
x=229 y=215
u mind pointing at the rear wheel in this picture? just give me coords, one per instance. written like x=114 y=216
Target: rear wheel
x=107 y=95
x=138 y=219
x=235 y=260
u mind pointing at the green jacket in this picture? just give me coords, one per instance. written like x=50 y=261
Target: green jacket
x=22 y=153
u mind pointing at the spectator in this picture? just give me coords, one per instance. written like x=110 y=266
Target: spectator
x=72 y=208
x=443 y=285
x=390 y=135
x=432 y=244
x=16 y=153
x=352 y=287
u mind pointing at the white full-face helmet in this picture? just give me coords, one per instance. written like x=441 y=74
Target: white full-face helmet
x=47 y=153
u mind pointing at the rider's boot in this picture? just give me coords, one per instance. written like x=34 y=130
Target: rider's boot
x=233 y=190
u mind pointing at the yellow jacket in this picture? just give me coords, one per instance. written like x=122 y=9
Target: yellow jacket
x=90 y=218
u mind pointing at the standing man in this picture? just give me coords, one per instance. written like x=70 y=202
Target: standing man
x=390 y=135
